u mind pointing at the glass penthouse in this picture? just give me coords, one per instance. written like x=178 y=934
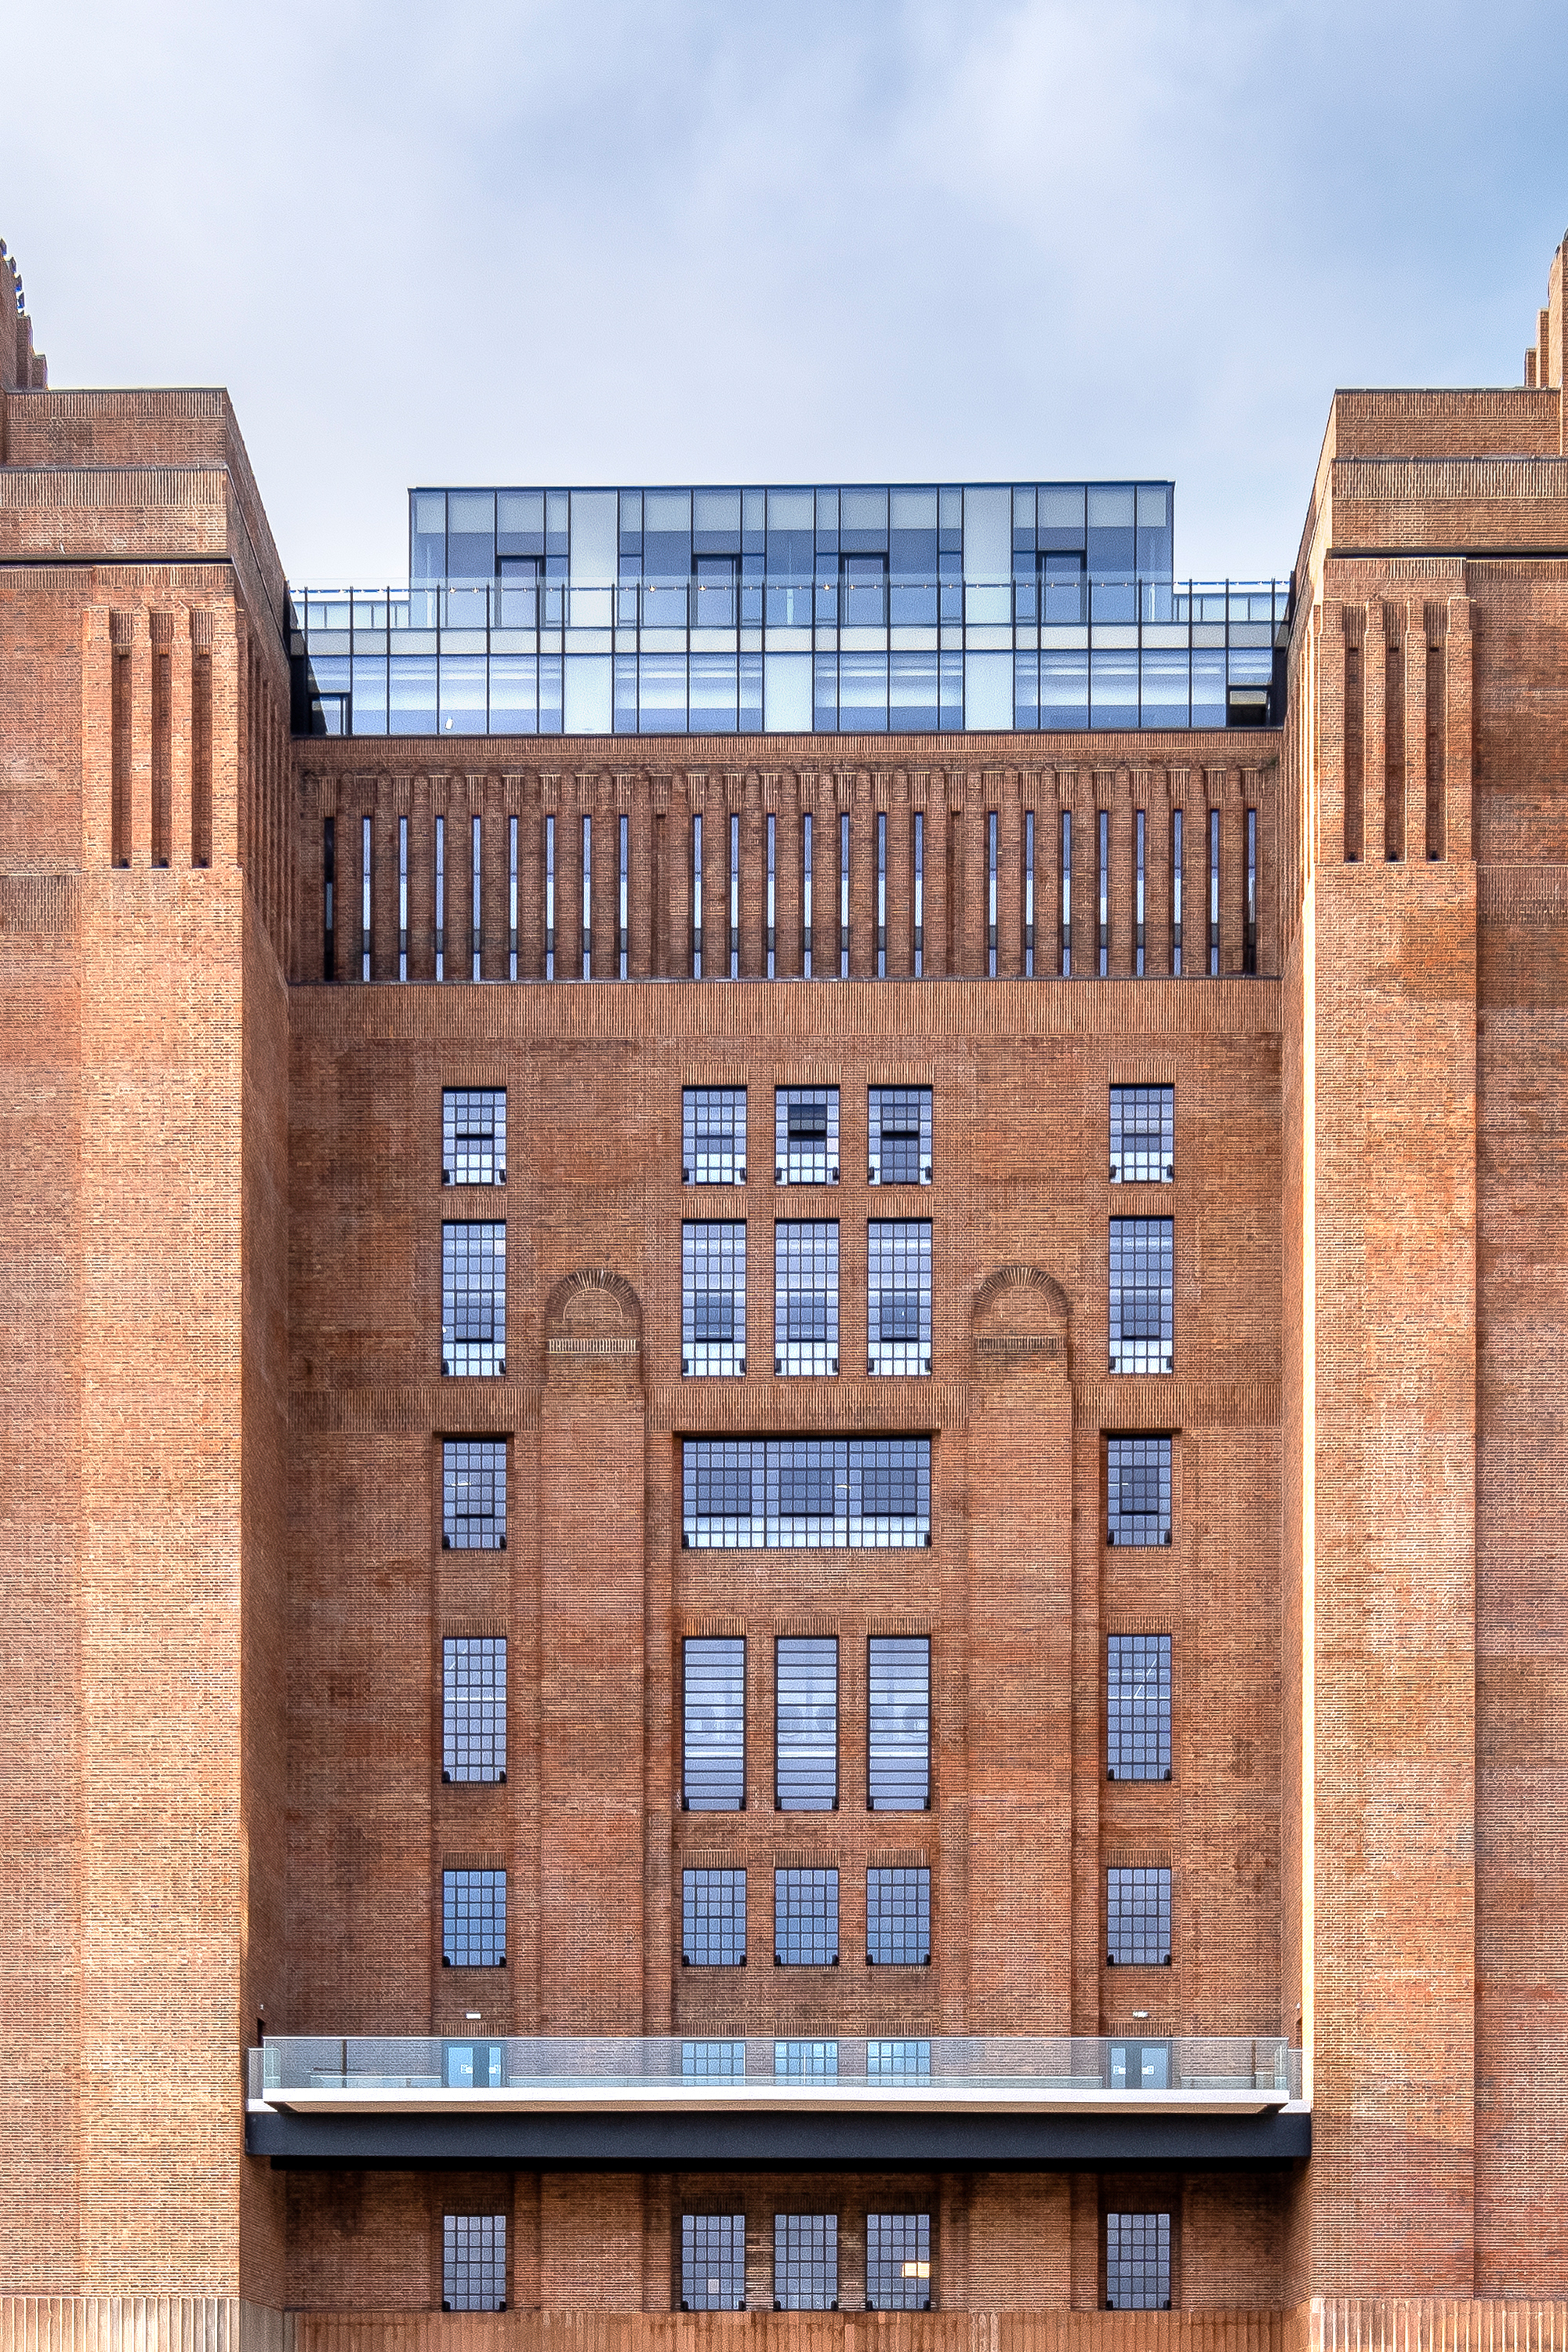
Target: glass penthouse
x=848 y=610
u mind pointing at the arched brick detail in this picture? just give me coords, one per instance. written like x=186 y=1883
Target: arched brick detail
x=595 y=1288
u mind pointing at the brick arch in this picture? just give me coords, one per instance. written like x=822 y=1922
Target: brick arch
x=1020 y=1298
x=601 y=1295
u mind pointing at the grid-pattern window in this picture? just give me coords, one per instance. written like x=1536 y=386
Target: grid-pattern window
x=899 y=1125
x=473 y=1707
x=899 y=2060
x=713 y=1918
x=805 y=1918
x=473 y=1495
x=713 y=1135
x=1142 y=1135
x=473 y=1299
x=1138 y=1918
x=897 y=1294
x=473 y=2261
x=1138 y=1490
x=806 y=1494
x=899 y=1743
x=898 y=1918
x=805 y=1135
x=713 y=2062
x=805 y=2261
x=1137 y=1707
x=1142 y=1294
x=1138 y=2262
x=805 y=2061
x=897 y=2262
x=806 y=1779
x=473 y=1135
x=473 y=1918
x=805 y=1298
x=713 y=1300
x=713 y=1725
x=712 y=2261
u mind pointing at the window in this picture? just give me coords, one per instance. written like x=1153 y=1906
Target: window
x=734 y=897
x=476 y=902
x=919 y=909
x=897 y=2262
x=713 y=1918
x=473 y=1495
x=329 y=892
x=805 y=2061
x=1176 y=892
x=805 y=895
x=1067 y=895
x=1139 y=937
x=1103 y=942
x=898 y=1918
x=1138 y=1918
x=622 y=898
x=898 y=2062
x=805 y=1135
x=548 y=897
x=473 y=2261
x=713 y=1300
x=991 y=894
x=473 y=1918
x=1142 y=1295
x=1028 y=894
x=473 y=1709
x=364 y=898
x=805 y=1918
x=712 y=2261
x=898 y=1759
x=713 y=2062
x=898 y=1296
x=1249 y=935
x=403 y=897
x=1214 y=893
x=881 y=896
x=1137 y=1707
x=713 y=1727
x=587 y=897
x=1138 y=2262
x=713 y=1135
x=806 y=1771
x=473 y=1299
x=440 y=897
x=806 y=1298
x=805 y=2261
x=769 y=943
x=511 y=898
x=697 y=896
x=1138 y=1490
x=844 y=897
x=1142 y=1135
x=899 y=1125
x=806 y=1494
x=473 y=1135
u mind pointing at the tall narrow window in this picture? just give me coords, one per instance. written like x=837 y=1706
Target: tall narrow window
x=473 y=1494
x=1138 y=1917
x=806 y=1298
x=1142 y=1135
x=697 y=896
x=473 y=1299
x=163 y=766
x=898 y=1131
x=120 y=756
x=1138 y=2262
x=735 y=941
x=1137 y=1707
x=712 y=2261
x=550 y=898
x=898 y=1918
x=473 y=1135
x=898 y=1296
x=919 y=894
x=201 y=759
x=713 y=1918
x=587 y=897
x=473 y=1918
x=897 y=2262
x=403 y=897
x=991 y=894
x=473 y=1710
x=898 y=1723
x=1138 y=939
x=473 y=2261
x=844 y=896
x=1102 y=927
x=1138 y=1490
x=1142 y=1295
x=440 y=897
x=770 y=942
x=1028 y=894
x=713 y=1135
x=805 y=1777
x=1214 y=893
x=328 y=894
x=805 y=1135
x=511 y=898
x=805 y=2261
x=881 y=895
x=476 y=904
x=623 y=894
x=805 y=895
x=364 y=848
x=713 y=1300
x=805 y=1918
x=1249 y=943
x=1176 y=892
x=713 y=1725
x=1067 y=895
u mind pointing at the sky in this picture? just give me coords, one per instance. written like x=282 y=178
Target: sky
x=877 y=240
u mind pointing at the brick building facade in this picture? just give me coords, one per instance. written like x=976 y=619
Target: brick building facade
x=1139 y=1312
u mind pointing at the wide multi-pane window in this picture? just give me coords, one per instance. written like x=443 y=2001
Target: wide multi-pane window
x=897 y=2262
x=1137 y=1707
x=713 y=2062
x=712 y=2261
x=473 y=1135
x=898 y=1296
x=473 y=1299
x=1138 y=1490
x=473 y=1707
x=805 y=1298
x=898 y=1140
x=898 y=1918
x=1142 y=1135
x=899 y=1742
x=1138 y=2262
x=899 y=2060
x=713 y=1135
x=1142 y=1294
x=805 y=1135
x=806 y=1779
x=805 y=1918
x=473 y=2261
x=805 y=2061
x=713 y=1725
x=473 y=1918
x=473 y=1495
x=1138 y=1917
x=805 y=2261
x=713 y=1918
x=713 y=1300
x=806 y=1494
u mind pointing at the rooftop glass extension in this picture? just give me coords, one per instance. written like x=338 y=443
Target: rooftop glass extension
x=854 y=609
